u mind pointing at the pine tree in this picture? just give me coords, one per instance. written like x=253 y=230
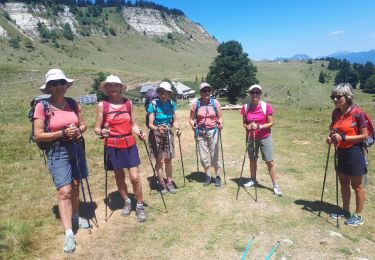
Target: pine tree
x=322 y=78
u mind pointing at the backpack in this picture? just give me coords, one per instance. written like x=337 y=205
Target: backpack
x=151 y=95
x=46 y=107
x=356 y=114
x=197 y=106
x=262 y=104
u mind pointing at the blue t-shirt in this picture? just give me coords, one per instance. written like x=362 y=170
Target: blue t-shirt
x=163 y=113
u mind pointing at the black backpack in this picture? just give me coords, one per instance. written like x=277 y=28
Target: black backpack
x=46 y=107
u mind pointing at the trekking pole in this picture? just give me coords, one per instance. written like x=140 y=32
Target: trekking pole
x=222 y=156
x=106 y=178
x=337 y=190
x=79 y=168
x=324 y=180
x=182 y=161
x=196 y=144
x=255 y=167
x=268 y=256
x=243 y=163
x=247 y=248
x=153 y=169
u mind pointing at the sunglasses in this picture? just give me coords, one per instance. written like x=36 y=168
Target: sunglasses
x=337 y=97
x=54 y=83
x=206 y=90
x=163 y=92
x=255 y=92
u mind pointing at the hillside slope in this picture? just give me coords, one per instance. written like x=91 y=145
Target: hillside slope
x=157 y=46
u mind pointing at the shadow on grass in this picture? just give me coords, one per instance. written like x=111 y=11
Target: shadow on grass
x=153 y=184
x=314 y=207
x=242 y=181
x=86 y=210
x=196 y=177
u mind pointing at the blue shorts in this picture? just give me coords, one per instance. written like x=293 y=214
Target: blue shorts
x=120 y=158
x=63 y=163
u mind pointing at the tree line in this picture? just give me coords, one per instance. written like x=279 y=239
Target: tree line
x=103 y=3
x=355 y=73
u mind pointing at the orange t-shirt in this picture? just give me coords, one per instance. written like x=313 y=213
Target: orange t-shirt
x=348 y=124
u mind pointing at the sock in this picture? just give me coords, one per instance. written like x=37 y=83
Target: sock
x=208 y=174
x=128 y=201
x=75 y=216
x=140 y=205
x=69 y=232
x=170 y=181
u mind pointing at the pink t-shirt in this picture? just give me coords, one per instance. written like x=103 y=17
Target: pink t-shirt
x=257 y=115
x=206 y=115
x=58 y=118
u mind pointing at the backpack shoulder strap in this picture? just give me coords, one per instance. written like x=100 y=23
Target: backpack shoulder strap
x=47 y=115
x=214 y=105
x=73 y=104
x=154 y=106
x=197 y=106
x=128 y=105
x=264 y=107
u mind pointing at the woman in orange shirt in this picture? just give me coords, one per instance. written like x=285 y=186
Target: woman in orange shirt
x=348 y=131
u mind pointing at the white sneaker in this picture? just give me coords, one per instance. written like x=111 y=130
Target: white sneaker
x=250 y=183
x=277 y=191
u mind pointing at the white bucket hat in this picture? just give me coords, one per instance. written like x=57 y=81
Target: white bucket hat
x=254 y=87
x=55 y=74
x=111 y=79
x=164 y=85
x=204 y=85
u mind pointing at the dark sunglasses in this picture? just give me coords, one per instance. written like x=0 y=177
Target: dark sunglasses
x=163 y=92
x=337 y=97
x=54 y=83
x=206 y=90
x=255 y=92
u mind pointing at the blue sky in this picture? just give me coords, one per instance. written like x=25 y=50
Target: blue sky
x=282 y=28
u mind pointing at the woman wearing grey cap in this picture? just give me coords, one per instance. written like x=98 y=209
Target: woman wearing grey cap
x=206 y=120
x=58 y=122
x=257 y=120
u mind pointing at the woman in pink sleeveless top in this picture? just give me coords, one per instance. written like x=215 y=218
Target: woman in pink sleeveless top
x=115 y=123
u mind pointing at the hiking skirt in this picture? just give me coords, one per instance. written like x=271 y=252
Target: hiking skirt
x=351 y=161
x=120 y=158
x=161 y=145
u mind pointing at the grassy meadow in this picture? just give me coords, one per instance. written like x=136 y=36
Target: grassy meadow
x=202 y=222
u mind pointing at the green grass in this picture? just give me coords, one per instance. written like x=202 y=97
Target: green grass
x=201 y=222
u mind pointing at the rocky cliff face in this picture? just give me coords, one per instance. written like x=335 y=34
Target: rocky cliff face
x=146 y=21
x=150 y=22
x=26 y=18
x=3 y=33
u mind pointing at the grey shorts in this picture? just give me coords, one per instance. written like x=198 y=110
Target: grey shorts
x=62 y=164
x=266 y=148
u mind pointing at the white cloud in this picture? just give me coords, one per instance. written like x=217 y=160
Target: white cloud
x=334 y=33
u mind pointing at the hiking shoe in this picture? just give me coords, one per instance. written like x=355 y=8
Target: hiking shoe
x=354 y=220
x=70 y=244
x=171 y=188
x=127 y=209
x=277 y=190
x=162 y=189
x=81 y=223
x=342 y=214
x=218 y=181
x=207 y=181
x=250 y=183
x=141 y=213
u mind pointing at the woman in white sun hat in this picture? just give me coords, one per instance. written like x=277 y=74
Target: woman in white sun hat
x=114 y=122
x=257 y=120
x=162 y=115
x=58 y=122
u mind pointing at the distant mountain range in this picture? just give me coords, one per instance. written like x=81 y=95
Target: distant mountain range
x=352 y=57
x=356 y=57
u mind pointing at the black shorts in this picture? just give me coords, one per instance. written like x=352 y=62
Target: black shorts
x=351 y=161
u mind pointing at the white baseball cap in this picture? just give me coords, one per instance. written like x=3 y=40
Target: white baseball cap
x=254 y=87
x=164 y=85
x=204 y=85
